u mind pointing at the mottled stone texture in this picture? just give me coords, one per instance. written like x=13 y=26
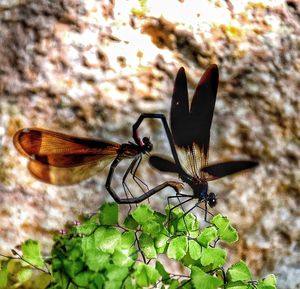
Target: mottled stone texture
x=91 y=67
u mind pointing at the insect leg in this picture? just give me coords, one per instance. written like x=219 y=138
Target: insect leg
x=136 y=178
x=112 y=192
x=206 y=211
x=179 y=196
x=134 y=200
x=109 y=178
x=146 y=195
x=180 y=204
x=187 y=212
x=173 y=184
x=129 y=169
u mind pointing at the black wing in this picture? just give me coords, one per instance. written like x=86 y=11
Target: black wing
x=163 y=164
x=220 y=170
x=191 y=129
x=202 y=108
x=180 y=111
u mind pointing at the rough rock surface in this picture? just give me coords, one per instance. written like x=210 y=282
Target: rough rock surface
x=91 y=67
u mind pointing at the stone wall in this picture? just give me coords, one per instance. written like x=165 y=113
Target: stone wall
x=90 y=68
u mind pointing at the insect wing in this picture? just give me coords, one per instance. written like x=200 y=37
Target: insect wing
x=163 y=164
x=61 y=150
x=223 y=169
x=202 y=109
x=180 y=118
x=191 y=129
x=66 y=176
x=180 y=110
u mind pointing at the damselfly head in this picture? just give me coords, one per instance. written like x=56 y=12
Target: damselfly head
x=212 y=200
x=148 y=146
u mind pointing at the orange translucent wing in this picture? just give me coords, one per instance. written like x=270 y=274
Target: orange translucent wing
x=66 y=176
x=61 y=150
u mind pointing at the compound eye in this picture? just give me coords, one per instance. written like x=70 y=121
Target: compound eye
x=150 y=147
x=146 y=140
x=212 y=200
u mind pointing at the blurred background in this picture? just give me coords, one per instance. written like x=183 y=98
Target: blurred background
x=90 y=68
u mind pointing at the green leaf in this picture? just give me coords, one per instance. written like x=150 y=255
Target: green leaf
x=128 y=284
x=147 y=246
x=201 y=280
x=174 y=284
x=161 y=242
x=174 y=213
x=267 y=283
x=172 y=228
x=186 y=284
x=188 y=223
x=107 y=239
x=98 y=280
x=115 y=272
x=239 y=272
x=4 y=275
x=177 y=248
x=112 y=284
x=96 y=261
x=32 y=253
x=152 y=228
x=94 y=258
x=83 y=278
x=159 y=217
x=24 y=274
x=88 y=227
x=127 y=240
x=194 y=250
x=121 y=258
x=109 y=214
x=74 y=248
x=56 y=264
x=72 y=268
x=130 y=223
x=187 y=261
x=42 y=279
x=269 y=280
x=161 y=270
x=145 y=275
x=143 y=214
x=237 y=285
x=207 y=235
x=225 y=230
x=88 y=244
x=61 y=279
x=214 y=256
x=262 y=286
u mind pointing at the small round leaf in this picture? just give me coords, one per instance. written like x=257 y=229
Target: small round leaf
x=194 y=250
x=177 y=248
x=239 y=272
x=201 y=280
x=109 y=214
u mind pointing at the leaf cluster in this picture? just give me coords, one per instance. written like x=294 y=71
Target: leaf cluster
x=28 y=270
x=101 y=253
